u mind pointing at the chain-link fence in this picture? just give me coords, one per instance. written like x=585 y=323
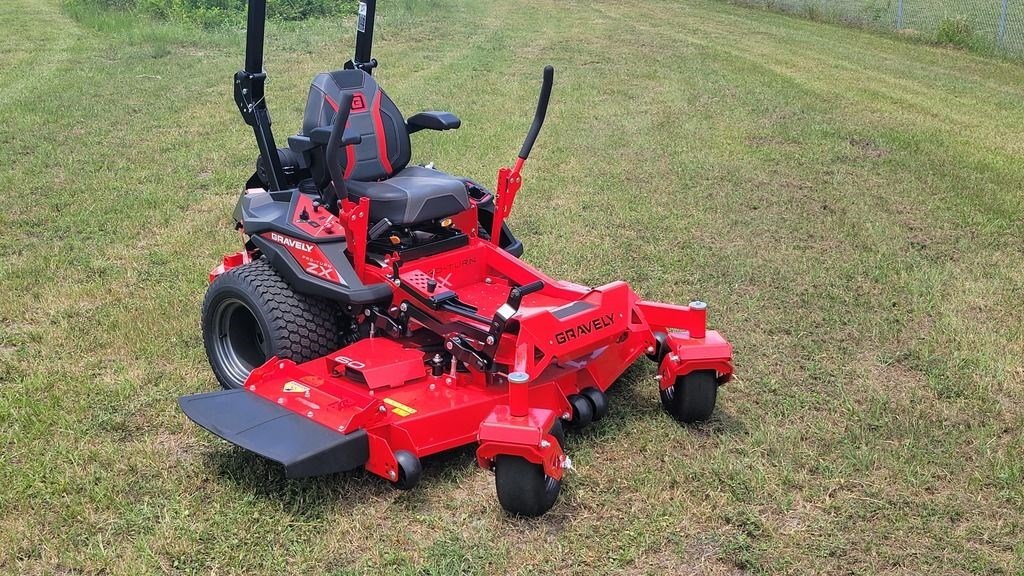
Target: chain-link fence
x=990 y=25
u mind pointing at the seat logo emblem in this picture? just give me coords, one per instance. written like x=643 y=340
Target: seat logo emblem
x=358 y=103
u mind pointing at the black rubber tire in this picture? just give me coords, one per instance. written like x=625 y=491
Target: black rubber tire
x=409 y=470
x=598 y=399
x=523 y=488
x=692 y=398
x=666 y=399
x=559 y=433
x=660 y=347
x=251 y=314
x=582 y=411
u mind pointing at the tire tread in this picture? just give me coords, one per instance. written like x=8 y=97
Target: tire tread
x=301 y=327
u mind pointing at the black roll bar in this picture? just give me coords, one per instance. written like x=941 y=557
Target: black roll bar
x=250 y=82
x=364 y=37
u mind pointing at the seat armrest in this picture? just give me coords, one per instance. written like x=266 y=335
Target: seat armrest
x=322 y=135
x=432 y=120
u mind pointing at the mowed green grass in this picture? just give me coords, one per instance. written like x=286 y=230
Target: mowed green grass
x=969 y=24
x=850 y=206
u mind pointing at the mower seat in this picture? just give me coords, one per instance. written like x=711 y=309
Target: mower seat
x=377 y=168
x=415 y=194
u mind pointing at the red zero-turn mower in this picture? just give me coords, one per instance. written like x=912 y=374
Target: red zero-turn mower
x=379 y=312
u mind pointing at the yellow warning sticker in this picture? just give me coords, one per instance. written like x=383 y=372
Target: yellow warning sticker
x=293 y=386
x=399 y=408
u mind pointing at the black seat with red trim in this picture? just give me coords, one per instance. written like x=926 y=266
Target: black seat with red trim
x=377 y=167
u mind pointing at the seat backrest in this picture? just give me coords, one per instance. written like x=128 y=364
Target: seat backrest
x=385 y=148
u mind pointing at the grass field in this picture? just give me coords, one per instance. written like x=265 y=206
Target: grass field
x=972 y=24
x=857 y=227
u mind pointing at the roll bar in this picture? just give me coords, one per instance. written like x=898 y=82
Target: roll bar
x=364 y=38
x=250 y=82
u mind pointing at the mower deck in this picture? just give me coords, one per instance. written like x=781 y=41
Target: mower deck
x=393 y=395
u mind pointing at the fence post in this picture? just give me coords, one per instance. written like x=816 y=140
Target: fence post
x=899 y=15
x=1001 y=37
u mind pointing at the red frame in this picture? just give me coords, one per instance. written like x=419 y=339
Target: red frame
x=402 y=406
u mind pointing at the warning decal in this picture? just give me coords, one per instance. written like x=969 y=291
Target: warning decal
x=361 y=20
x=399 y=408
x=293 y=386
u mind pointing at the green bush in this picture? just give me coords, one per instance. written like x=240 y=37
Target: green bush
x=956 y=31
x=214 y=13
x=303 y=9
x=813 y=11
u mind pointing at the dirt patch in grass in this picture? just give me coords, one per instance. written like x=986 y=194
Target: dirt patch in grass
x=869 y=148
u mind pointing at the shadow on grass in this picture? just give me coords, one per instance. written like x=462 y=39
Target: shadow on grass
x=306 y=498
x=315 y=498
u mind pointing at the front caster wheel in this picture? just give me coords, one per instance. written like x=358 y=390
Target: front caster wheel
x=582 y=411
x=559 y=433
x=523 y=488
x=692 y=397
x=660 y=348
x=598 y=399
x=409 y=470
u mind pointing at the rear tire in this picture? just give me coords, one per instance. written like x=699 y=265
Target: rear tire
x=692 y=398
x=251 y=314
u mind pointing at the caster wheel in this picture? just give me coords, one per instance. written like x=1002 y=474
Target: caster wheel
x=559 y=433
x=660 y=347
x=692 y=397
x=582 y=411
x=523 y=488
x=599 y=400
x=666 y=399
x=409 y=470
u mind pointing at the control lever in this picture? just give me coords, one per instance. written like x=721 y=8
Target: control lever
x=379 y=228
x=506 y=312
x=336 y=189
x=515 y=295
x=510 y=179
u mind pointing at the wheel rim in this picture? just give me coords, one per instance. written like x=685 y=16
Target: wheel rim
x=240 y=344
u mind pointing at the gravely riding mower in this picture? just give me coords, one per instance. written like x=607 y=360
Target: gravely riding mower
x=379 y=312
